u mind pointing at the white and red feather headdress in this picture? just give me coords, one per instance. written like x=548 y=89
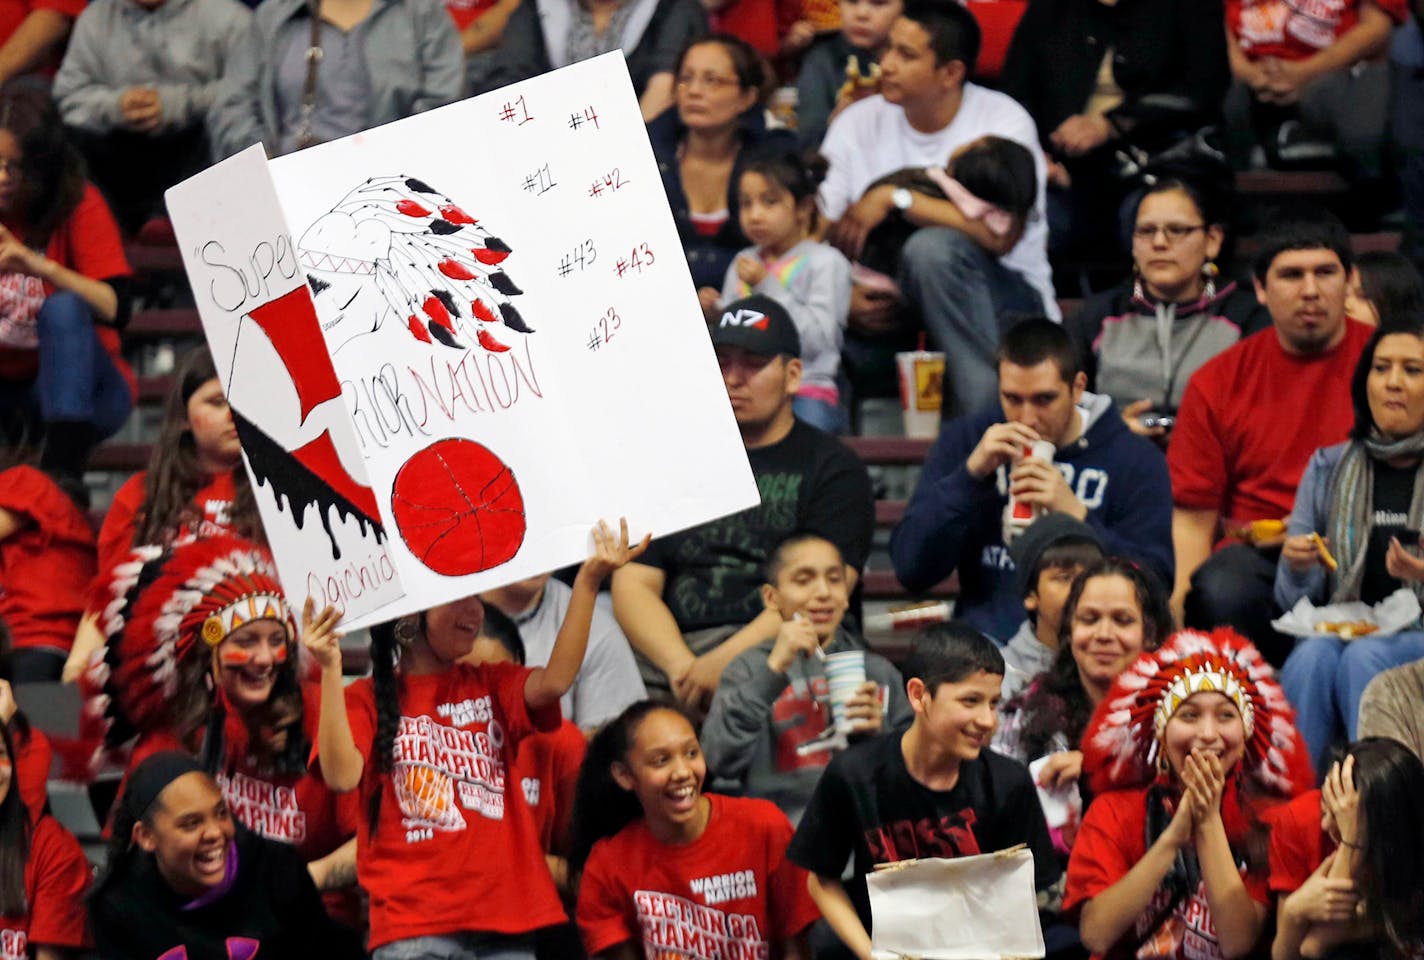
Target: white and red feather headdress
x=1124 y=737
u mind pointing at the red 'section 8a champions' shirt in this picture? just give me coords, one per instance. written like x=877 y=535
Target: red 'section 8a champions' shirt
x=455 y=846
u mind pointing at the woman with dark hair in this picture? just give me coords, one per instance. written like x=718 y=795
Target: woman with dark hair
x=64 y=293
x=1347 y=861
x=1115 y=610
x=703 y=145
x=1142 y=340
x=645 y=832
x=430 y=748
x=1362 y=502
x=183 y=879
x=43 y=873
x=1385 y=289
x=194 y=487
x=1191 y=748
x=201 y=658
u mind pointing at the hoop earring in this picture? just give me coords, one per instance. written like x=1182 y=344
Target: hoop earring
x=406 y=630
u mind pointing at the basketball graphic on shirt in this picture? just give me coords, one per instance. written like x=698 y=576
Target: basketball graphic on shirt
x=458 y=508
x=427 y=797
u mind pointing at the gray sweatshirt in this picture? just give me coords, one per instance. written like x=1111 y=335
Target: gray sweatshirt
x=759 y=717
x=180 y=49
x=1024 y=658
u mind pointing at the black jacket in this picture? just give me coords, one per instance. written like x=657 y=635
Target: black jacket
x=1175 y=48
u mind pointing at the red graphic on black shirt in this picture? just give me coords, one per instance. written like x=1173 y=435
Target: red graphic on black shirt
x=458 y=508
x=948 y=837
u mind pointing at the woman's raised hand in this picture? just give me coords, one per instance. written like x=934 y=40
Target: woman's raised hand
x=319 y=635
x=1204 y=778
x=1342 y=801
x=610 y=552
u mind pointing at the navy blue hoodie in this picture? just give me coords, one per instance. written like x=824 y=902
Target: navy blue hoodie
x=954 y=522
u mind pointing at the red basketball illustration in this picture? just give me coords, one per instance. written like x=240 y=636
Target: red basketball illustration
x=458 y=508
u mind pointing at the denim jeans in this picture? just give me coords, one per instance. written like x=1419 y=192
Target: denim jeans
x=1324 y=678
x=967 y=299
x=820 y=414
x=458 y=946
x=77 y=380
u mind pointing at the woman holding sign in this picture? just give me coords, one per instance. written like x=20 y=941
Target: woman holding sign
x=430 y=748
x=663 y=862
x=201 y=658
x=1183 y=754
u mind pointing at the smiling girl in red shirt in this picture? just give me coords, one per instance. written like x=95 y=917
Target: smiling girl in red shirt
x=665 y=865
x=451 y=863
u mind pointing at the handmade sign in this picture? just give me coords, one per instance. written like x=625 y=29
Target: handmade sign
x=966 y=908
x=487 y=312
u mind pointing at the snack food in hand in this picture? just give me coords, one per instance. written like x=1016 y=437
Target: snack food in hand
x=1347 y=629
x=1330 y=563
x=856 y=84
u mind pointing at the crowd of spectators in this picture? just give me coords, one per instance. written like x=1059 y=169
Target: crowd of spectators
x=657 y=753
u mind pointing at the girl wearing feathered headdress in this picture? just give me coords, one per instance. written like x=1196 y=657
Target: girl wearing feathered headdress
x=201 y=657
x=1192 y=741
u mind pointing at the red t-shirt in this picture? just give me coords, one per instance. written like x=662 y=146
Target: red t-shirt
x=729 y=893
x=1297 y=844
x=1296 y=29
x=1110 y=842
x=547 y=766
x=466 y=12
x=212 y=502
x=56 y=877
x=33 y=759
x=450 y=853
x=1250 y=419
x=87 y=243
x=47 y=565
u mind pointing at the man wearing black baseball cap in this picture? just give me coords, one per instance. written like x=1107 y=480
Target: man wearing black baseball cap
x=693 y=601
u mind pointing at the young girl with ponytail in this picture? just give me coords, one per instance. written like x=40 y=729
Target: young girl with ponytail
x=450 y=860
x=664 y=864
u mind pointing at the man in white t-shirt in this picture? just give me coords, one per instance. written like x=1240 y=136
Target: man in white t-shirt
x=966 y=281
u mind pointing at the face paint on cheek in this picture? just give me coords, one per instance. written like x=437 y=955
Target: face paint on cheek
x=238 y=657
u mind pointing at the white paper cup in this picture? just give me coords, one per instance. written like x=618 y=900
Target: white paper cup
x=845 y=673
x=921 y=391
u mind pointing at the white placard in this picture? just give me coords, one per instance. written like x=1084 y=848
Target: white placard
x=966 y=908
x=518 y=345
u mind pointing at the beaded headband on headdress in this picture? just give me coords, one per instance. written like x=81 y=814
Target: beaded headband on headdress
x=1123 y=739
x=254 y=600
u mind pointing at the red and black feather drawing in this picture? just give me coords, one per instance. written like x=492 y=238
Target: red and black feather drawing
x=396 y=247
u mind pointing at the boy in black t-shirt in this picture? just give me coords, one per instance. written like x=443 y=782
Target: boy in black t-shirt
x=933 y=791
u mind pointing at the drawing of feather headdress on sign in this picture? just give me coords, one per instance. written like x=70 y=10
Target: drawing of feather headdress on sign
x=396 y=250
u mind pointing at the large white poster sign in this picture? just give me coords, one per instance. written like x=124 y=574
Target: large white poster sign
x=303 y=457
x=512 y=329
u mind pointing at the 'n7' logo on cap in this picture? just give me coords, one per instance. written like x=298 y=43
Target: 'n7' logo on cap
x=745 y=318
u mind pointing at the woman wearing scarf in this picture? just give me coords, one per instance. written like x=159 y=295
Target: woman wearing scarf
x=1364 y=502
x=184 y=880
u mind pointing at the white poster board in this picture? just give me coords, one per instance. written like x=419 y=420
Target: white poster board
x=507 y=312
x=966 y=908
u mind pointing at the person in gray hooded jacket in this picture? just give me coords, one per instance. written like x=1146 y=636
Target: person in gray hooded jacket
x=381 y=60
x=136 y=83
x=775 y=722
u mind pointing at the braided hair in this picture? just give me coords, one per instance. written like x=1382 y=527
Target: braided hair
x=385 y=653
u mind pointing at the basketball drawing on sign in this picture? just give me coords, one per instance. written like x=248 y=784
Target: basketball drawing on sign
x=303 y=467
x=393 y=249
x=458 y=508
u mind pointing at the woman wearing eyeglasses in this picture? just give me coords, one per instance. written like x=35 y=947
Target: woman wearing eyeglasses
x=704 y=142
x=1142 y=340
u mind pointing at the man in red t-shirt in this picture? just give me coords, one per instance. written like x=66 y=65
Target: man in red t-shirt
x=1249 y=421
x=1311 y=68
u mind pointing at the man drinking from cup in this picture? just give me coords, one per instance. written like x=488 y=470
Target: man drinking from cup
x=1100 y=474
